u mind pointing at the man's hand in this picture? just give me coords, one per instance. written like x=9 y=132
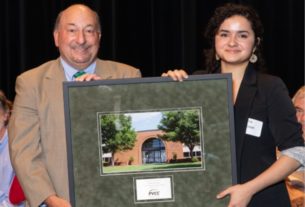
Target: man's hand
x=54 y=201
x=87 y=77
x=176 y=75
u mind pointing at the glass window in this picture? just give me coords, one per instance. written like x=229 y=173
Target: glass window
x=153 y=151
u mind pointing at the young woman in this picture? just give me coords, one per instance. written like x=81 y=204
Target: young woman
x=261 y=102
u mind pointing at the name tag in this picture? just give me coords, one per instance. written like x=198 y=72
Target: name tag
x=254 y=127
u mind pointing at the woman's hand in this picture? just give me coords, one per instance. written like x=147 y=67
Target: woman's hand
x=240 y=195
x=177 y=74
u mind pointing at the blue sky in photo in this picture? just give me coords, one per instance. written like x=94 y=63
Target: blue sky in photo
x=145 y=121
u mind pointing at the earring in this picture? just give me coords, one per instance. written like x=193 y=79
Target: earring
x=253 y=58
x=217 y=57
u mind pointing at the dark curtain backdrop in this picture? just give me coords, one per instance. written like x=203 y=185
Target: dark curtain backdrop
x=153 y=35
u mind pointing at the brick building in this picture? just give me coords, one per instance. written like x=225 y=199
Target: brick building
x=150 y=149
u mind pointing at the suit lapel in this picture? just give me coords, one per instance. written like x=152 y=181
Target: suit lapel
x=56 y=73
x=242 y=109
x=54 y=79
x=103 y=70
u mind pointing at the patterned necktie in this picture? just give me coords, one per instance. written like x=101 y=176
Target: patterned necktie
x=78 y=74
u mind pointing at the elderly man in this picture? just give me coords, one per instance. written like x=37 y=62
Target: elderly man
x=299 y=104
x=36 y=129
x=295 y=182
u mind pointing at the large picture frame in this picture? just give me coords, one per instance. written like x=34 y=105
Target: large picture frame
x=150 y=141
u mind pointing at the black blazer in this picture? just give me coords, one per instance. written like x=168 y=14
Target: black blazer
x=264 y=98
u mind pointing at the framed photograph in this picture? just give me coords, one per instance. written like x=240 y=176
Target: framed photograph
x=146 y=141
x=150 y=141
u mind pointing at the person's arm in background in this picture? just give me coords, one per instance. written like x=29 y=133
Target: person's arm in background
x=5 y=185
x=6 y=170
x=3 y=199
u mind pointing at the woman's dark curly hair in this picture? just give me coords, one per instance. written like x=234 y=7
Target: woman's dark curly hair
x=220 y=15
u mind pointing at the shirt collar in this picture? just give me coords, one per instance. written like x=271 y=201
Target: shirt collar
x=4 y=139
x=70 y=71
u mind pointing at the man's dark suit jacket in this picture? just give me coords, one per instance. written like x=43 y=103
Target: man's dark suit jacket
x=264 y=98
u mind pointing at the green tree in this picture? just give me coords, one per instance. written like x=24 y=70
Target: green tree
x=181 y=126
x=117 y=133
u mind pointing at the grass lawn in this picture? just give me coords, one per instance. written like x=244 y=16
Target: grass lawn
x=150 y=167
